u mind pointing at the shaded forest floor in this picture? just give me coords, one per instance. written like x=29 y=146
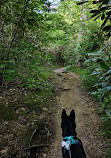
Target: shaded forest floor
x=31 y=122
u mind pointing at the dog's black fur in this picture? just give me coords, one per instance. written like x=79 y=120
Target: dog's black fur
x=68 y=126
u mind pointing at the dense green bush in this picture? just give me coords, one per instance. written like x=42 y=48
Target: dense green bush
x=21 y=48
x=103 y=84
x=91 y=40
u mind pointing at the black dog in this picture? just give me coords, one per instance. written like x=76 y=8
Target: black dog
x=71 y=146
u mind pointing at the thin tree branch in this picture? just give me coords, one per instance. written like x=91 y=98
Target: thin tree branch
x=37 y=146
x=16 y=30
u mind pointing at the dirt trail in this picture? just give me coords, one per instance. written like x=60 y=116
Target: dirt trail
x=73 y=96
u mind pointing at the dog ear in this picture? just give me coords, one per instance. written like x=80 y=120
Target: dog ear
x=64 y=115
x=72 y=114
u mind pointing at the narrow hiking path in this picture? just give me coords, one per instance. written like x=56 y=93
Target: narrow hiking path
x=73 y=96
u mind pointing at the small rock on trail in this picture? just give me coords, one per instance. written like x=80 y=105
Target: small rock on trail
x=87 y=121
x=60 y=70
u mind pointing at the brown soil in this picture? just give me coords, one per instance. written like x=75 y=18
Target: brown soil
x=73 y=96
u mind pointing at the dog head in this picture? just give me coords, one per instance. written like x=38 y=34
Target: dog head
x=68 y=124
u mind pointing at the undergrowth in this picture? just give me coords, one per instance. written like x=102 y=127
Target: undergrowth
x=27 y=113
x=73 y=68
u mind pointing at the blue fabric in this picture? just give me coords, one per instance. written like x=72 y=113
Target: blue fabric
x=71 y=140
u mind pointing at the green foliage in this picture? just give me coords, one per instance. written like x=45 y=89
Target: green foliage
x=101 y=10
x=91 y=40
x=89 y=80
x=101 y=62
x=105 y=129
x=79 y=71
x=98 y=64
x=32 y=38
x=19 y=56
x=33 y=81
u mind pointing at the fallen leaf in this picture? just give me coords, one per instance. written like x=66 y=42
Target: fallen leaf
x=93 y=109
x=45 y=109
x=12 y=89
x=17 y=112
x=28 y=124
x=4 y=151
x=57 y=98
x=23 y=109
x=6 y=123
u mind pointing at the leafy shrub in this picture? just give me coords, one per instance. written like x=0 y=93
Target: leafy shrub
x=101 y=10
x=91 y=40
x=88 y=80
x=102 y=72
